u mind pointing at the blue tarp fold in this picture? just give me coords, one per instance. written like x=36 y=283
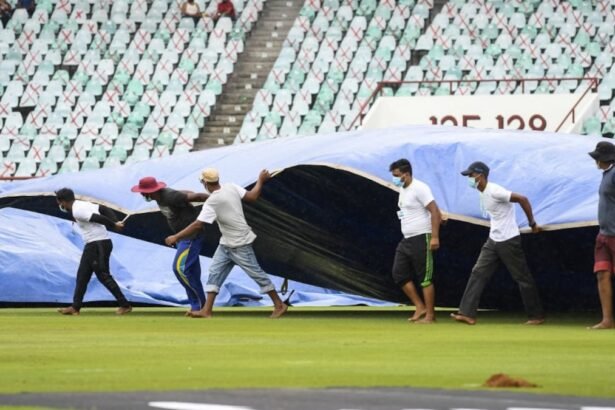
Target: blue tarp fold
x=40 y=254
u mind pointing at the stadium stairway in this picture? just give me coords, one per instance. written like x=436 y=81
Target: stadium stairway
x=253 y=66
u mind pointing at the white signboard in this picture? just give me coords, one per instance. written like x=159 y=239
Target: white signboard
x=539 y=112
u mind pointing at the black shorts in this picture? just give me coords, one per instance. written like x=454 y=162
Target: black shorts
x=414 y=261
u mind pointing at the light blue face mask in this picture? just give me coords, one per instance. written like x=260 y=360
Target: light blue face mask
x=397 y=181
x=472 y=182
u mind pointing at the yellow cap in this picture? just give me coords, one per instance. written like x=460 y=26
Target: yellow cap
x=210 y=175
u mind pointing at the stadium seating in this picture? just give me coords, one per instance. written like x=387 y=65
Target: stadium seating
x=86 y=84
x=332 y=61
x=526 y=39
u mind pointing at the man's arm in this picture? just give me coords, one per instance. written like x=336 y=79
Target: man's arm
x=253 y=194
x=527 y=208
x=195 y=197
x=107 y=218
x=188 y=231
x=436 y=219
x=107 y=212
x=182 y=199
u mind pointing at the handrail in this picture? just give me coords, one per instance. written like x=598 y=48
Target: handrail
x=382 y=84
x=4 y=179
x=594 y=86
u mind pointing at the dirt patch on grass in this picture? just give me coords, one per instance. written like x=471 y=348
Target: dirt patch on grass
x=504 y=380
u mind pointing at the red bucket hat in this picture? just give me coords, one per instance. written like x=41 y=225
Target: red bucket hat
x=147 y=185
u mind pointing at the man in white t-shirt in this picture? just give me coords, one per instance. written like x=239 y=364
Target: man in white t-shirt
x=420 y=224
x=93 y=221
x=503 y=245
x=225 y=207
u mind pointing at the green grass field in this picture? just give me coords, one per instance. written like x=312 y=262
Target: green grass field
x=158 y=349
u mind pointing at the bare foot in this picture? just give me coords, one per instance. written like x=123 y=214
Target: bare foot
x=279 y=311
x=123 y=310
x=535 y=322
x=602 y=326
x=418 y=314
x=68 y=311
x=426 y=321
x=191 y=313
x=201 y=314
x=464 y=319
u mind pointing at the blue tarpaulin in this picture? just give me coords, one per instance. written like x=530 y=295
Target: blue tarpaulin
x=328 y=219
x=40 y=254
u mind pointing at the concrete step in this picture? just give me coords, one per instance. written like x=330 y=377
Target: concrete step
x=246 y=88
x=245 y=99
x=269 y=54
x=243 y=84
x=248 y=78
x=220 y=133
x=241 y=91
x=225 y=121
x=238 y=93
x=219 y=124
x=234 y=94
x=224 y=116
x=207 y=145
x=264 y=46
x=228 y=108
x=224 y=128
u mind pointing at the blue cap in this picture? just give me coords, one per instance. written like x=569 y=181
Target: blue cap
x=477 y=167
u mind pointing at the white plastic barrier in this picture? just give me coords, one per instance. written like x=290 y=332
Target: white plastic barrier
x=540 y=112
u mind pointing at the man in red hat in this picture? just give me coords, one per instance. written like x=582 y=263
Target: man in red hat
x=176 y=206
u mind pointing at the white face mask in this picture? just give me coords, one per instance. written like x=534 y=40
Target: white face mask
x=62 y=209
x=604 y=170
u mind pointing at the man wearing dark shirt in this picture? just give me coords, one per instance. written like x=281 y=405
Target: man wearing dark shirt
x=604 y=252
x=177 y=208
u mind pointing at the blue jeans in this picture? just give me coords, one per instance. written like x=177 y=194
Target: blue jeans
x=187 y=269
x=226 y=258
